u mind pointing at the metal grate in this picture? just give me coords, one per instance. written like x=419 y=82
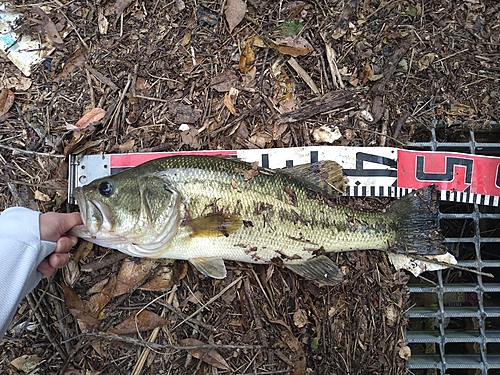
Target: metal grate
x=454 y=321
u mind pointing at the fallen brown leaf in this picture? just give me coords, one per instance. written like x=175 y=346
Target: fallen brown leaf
x=293 y=46
x=126 y=146
x=209 y=356
x=6 y=101
x=228 y=102
x=90 y=117
x=117 y=7
x=462 y=110
x=98 y=301
x=247 y=58
x=139 y=322
x=367 y=73
x=224 y=81
x=235 y=12
x=76 y=60
x=26 y=363
x=131 y=273
x=78 y=308
x=49 y=29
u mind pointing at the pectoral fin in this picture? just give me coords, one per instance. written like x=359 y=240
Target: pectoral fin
x=320 y=269
x=215 y=225
x=212 y=267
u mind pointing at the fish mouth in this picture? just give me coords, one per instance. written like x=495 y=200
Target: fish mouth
x=96 y=216
x=80 y=199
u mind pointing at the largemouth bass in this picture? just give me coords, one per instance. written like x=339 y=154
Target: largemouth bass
x=206 y=209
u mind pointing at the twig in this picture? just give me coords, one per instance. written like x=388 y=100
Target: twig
x=330 y=56
x=256 y=318
x=130 y=340
x=145 y=353
x=185 y=316
x=214 y=298
x=41 y=320
x=21 y=151
x=154 y=99
x=304 y=75
x=120 y=101
x=449 y=265
x=101 y=77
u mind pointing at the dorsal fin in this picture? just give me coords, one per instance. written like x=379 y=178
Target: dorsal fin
x=326 y=174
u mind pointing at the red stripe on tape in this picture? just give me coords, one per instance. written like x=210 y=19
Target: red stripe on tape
x=134 y=159
x=451 y=171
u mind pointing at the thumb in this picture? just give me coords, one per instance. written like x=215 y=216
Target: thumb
x=53 y=225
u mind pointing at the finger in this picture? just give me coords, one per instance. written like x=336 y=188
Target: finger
x=70 y=220
x=45 y=268
x=58 y=260
x=53 y=225
x=65 y=243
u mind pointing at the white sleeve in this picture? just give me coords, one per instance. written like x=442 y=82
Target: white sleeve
x=21 y=251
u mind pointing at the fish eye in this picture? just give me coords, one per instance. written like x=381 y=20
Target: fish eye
x=106 y=188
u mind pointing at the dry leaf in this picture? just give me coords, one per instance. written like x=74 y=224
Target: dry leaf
x=207 y=355
x=76 y=60
x=49 y=28
x=78 y=308
x=190 y=137
x=426 y=60
x=143 y=321
x=39 y=196
x=257 y=41
x=300 y=318
x=16 y=81
x=98 y=301
x=293 y=46
x=462 y=110
x=228 y=102
x=26 y=363
x=235 y=12
x=367 y=73
x=247 y=58
x=131 y=272
x=126 y=146
x=224 y=81
x=98 y=287
x=6 y=101
x=102 y=22
x=117 y=7
x=163 y=279
x=293 y=8
x=405 y=352
x=90 y=117
x=186 y=39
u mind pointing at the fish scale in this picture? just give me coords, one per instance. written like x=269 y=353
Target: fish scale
x=206 y=209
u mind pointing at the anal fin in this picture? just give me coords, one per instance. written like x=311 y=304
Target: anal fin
x=211 y=267
x=320 y=269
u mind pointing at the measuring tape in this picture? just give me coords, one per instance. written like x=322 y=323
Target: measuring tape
x=371 y=171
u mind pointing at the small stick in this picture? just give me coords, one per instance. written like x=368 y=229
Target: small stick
x=130 y=340
x=214 y=298
x=330 y=56
x=304 y=75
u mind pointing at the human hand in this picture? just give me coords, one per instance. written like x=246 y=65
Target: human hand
x=53 y=227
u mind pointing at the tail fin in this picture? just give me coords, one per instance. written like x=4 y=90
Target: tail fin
x=416 y=218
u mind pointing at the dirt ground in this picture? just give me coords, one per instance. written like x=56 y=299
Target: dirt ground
x=183 y=75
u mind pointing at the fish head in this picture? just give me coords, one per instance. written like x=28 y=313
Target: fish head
x=135 y=214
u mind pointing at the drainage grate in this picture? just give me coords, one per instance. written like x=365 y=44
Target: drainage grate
x=454 y=321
